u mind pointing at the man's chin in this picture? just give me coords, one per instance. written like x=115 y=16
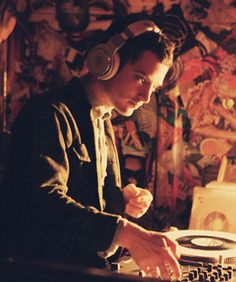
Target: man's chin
x=126 y=113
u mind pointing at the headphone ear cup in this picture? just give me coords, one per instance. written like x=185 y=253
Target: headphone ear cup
x=102 y=62
x=115 y=63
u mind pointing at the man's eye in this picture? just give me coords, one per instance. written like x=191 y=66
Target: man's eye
x=140 y=79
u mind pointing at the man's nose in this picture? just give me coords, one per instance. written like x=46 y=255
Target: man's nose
x=146 y=93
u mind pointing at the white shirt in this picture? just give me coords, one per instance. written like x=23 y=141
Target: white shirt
x=98 y=115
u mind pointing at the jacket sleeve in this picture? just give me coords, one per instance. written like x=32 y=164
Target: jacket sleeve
x=41 y=170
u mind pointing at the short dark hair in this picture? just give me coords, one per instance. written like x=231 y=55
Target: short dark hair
x=157 y=43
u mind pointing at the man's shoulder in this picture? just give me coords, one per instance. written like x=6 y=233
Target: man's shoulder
x=69 y=101
x=70 y=93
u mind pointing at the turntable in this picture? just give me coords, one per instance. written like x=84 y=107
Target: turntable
x=204 y=256
x=205 y=246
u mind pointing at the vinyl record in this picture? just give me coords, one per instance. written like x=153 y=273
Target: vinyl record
x=206 y=242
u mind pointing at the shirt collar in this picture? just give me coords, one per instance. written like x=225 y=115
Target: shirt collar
x=99 y=111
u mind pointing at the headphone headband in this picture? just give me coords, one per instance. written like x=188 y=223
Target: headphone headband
x=103 y=60
x=137 y=28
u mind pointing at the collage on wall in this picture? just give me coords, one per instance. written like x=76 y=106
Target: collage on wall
x=175 y=142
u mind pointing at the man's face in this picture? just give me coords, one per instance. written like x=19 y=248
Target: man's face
x=135 y=83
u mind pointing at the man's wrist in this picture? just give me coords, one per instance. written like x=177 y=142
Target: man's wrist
x=114 y=245
x=129 y=233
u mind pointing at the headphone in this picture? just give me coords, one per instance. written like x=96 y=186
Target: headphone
x=103 y=60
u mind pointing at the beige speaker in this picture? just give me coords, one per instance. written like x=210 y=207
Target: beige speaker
x=214 y=207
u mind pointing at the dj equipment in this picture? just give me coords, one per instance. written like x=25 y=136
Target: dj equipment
x=204 y=256
x=103 y=60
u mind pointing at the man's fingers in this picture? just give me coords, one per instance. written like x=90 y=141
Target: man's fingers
x=166 y=269
x=153 y=272
x=172 y=269
x=131 y=190
x=141 y=199
x=134 y=211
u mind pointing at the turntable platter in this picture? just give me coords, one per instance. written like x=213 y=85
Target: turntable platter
x=205 y=245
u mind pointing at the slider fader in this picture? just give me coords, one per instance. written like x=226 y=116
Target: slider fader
x=207 y=272
x=191 y=271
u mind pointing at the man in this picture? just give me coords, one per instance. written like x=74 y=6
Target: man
x=63 y=199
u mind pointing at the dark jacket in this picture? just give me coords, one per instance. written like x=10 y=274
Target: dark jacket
x=51 y=207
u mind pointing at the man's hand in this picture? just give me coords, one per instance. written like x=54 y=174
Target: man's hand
x=155 y=254
x=137 y=200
